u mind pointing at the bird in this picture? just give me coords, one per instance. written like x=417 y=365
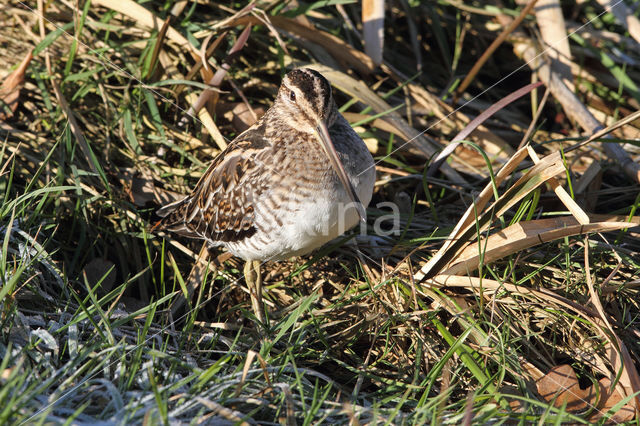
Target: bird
x=296 y=179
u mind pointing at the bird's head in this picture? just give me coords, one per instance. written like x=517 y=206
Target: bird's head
x=305 y=97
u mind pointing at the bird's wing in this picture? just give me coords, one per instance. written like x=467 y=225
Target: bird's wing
x=221 y=207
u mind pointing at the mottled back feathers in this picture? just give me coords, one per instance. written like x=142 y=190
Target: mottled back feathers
x=220 y=208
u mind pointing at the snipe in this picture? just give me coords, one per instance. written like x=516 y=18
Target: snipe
x=296 y=179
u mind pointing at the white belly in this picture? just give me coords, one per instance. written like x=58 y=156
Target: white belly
x=307 y=224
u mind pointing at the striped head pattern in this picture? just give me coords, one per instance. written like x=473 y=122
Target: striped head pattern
x=305 y=97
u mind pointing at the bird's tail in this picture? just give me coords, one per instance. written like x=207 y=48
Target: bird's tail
x=173 y=218
x=170 y=210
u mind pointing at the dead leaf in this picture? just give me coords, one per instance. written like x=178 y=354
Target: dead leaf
x=599 y=395
x=610 y=398
x=560 y=386
x=10 y=89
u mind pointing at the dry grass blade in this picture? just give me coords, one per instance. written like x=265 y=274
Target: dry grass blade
x=203 y=115
x=469 y=128
x=523 y=235
x=574 y=108
x=465 y=231
x=352 y=338
x=9 y=159
x=619 y=354
x=201 y=64
x=219 y=75
x=233 y=19
x=347 y=55
x=562 y=194
x=491 y=49
x=449 y=118
x=158 y=46
x=193 y=281
x=603 y=132
x=251 y=355
x=291 y=417
x=373 y=29
x=224 y=412
x=467 y=219
x=624 y=15
x=146 y=19
x=266 y=20
x=554 y=34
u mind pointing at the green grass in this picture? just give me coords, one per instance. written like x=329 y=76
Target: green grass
x=87 y=330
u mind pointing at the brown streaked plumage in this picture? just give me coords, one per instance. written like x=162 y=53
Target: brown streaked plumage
x=293 y=181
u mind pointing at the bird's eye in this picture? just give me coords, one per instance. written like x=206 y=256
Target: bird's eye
x=292 y=96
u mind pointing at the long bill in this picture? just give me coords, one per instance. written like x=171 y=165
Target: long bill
x=330 y=150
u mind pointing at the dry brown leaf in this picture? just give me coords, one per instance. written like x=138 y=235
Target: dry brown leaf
x=6 y=373
x=560 y=386
x=610 y=398
x=10 y=89
x=590 y=315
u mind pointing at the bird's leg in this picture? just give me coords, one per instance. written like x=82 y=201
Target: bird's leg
x=258 y=285
x=253 y=279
